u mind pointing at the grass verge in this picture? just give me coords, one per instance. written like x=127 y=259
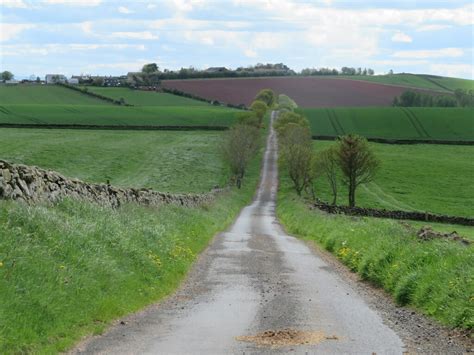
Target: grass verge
x=67 y=270
x=435 y=277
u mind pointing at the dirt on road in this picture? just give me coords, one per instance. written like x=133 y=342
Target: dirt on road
x=257 y=290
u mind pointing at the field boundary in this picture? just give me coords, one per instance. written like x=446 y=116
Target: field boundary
x=114 y=127
x=393 y=214
x=32 y=184
x=399 y=141
x=95 y=95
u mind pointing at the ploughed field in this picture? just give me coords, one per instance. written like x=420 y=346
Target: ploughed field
x=164 y=161
x=421 y=177
x=456 y=124
x=306 y=91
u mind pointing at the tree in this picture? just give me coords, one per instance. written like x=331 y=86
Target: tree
x=98 y=81
x=38 y=79
x=6 y=75
x=370 y=71
x=357 y=162
x=286 y=118
x=326 y=164
x=240 y=145
x=248 y=118
x=260 y=109
x=150 y=68
x=267 y=96
x=297 y=155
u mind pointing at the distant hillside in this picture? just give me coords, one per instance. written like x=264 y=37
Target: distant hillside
x=424 y=81
x=313 y=91
x=44 y=95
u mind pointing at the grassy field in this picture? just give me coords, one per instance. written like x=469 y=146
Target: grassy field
x=393 y=122
x=146 y=98
x=67 y=271
x=431 y=82
x=131 y=159
x=45 y=95
x=117 y=115
x=424 y=177
x=434 y=276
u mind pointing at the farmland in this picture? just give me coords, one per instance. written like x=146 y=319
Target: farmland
x=394 y=122
x=429 y=82
x=306 y=91
x=117 y=115
x=45 y=95
x=145 y=98
x=434 y=178
x=128 y=159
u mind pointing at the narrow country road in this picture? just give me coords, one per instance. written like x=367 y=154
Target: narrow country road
x=255 y=278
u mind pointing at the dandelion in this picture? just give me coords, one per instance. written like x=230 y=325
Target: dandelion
x=1 y=263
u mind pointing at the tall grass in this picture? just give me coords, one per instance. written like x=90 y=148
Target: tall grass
x=67 y=270
x=436 y=277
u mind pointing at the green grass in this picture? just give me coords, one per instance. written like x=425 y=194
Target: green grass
x=165 y=161
x=436 y=276
x=146 y=98
x=431 y=82
x=393 y=122
x=117 y=115
x=421 y=177
x=67 y=270
x=45 y=95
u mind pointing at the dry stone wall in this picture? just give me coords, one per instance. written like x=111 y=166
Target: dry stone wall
x=32 y=184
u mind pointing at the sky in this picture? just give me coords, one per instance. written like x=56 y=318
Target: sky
x=112 y=37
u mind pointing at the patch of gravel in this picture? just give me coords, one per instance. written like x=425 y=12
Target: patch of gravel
x=286 y=337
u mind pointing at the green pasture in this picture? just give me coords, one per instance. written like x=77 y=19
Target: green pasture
x=33 y=94
x=117 y=115
x=420 y=177
x=164 y=161
x=393 y=122
x=430 y=82
x=145 y=98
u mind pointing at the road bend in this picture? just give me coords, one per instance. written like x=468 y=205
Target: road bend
x=254 y=278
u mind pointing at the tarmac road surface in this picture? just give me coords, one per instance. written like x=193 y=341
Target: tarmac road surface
x=255 y=278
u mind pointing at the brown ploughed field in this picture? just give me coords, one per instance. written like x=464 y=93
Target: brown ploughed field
x=306 y=91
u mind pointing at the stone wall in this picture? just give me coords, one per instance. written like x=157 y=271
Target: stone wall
x=381 y=213
x=32 y=184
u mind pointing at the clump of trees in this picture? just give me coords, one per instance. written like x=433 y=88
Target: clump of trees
x=6 y=75
x=242 y=141
x=411 y=98
x=350 y=160
x=332 y=71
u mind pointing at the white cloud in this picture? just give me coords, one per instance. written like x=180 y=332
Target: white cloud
x=151 y=6
x=59 y=48
x=9 y=31
x=250 y=53
x=124 y=10
x=86 y=27
x=432 y=28
x=14 y=4
x=73 y=2
x=401 y=37
x=144 y=35
x=186 y=5
x=430 y=53
x=453 y=70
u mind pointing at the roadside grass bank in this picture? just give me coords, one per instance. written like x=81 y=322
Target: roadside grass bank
x=66 y=271
x=424 y=177
x=436 y=276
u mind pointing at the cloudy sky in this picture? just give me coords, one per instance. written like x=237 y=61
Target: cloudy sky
x=115 y=36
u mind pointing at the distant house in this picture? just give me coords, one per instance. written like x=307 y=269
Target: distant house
x=12 y=82
x=216 y=70
x=55 y=78
x=73 y=81
x=114 y=80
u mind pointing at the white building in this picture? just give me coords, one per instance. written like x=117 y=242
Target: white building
x=73 y=81
x=55 y=78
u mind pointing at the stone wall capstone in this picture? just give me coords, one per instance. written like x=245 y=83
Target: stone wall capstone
x=32 y=184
